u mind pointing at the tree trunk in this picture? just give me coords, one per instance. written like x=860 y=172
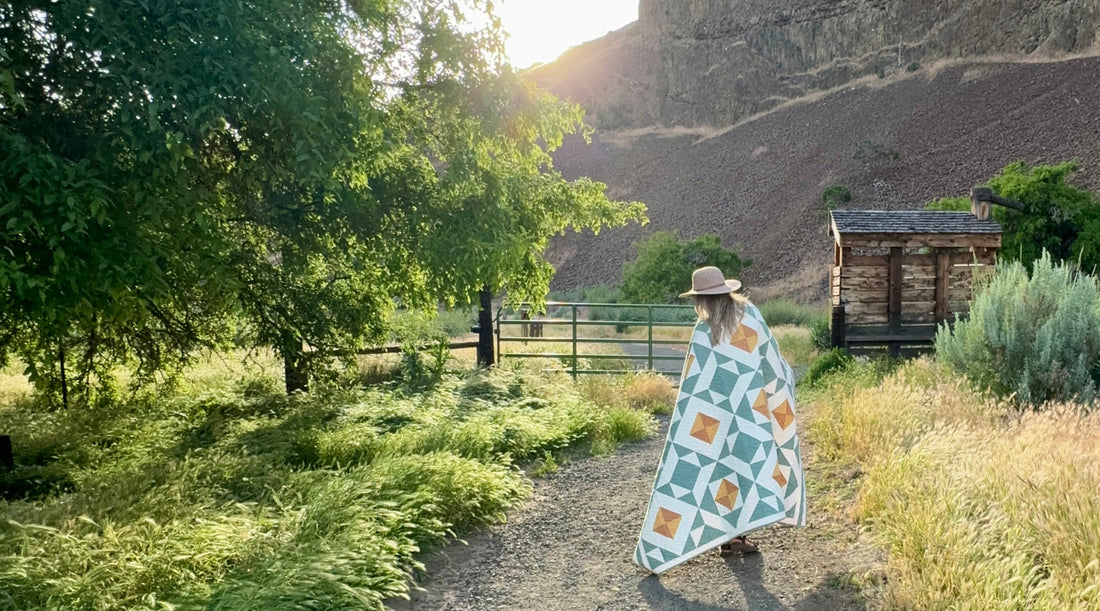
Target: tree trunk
x=7 y=461
x=297 y=378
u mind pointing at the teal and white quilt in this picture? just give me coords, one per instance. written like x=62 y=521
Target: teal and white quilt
x=731 y=463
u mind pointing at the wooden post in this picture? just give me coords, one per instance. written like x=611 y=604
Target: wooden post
x=943 y=283
x=485 y=356
x=837 y=327
x=895 y=282
x=7 y=460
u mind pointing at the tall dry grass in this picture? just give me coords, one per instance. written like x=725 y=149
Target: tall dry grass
x=978 y=505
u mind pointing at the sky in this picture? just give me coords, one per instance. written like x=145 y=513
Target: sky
x=541 y=30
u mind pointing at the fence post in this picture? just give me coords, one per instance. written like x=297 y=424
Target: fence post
x=650 y=311
x=574 y=341
x=485 y=356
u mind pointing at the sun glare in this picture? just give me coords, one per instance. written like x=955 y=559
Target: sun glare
x=541 y=30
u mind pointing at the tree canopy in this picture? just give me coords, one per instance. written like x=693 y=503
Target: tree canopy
x=180 y=174
x=664 y=265
x=1059 y=219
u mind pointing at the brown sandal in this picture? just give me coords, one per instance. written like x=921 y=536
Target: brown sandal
x=738 y=545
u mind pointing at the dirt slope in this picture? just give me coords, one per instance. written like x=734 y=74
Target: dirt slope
x=896 y=143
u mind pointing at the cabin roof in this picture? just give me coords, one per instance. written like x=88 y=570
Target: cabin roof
x=910 y=221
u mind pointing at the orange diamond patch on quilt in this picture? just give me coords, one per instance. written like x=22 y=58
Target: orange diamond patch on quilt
x=704 y=428
x=744 y=338
x=727 y=495
x=760 y=406
x=779 y=477
x=784 y=415
x=666 y=523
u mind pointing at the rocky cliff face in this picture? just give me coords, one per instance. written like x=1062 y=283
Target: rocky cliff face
x=714 y=62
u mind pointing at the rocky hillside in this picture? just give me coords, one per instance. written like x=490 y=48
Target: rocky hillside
x=732 y=116
x=713 y=62
x=895 y=143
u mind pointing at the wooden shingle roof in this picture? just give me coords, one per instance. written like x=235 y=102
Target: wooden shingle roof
x=911 y=221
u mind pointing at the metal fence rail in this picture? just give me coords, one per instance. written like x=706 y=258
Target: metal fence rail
x=531 y=332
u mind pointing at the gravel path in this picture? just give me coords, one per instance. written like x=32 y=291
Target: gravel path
x=569 y=547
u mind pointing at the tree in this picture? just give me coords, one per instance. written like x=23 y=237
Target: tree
x=177 y=174
x=664 y=266
x=1059 y=219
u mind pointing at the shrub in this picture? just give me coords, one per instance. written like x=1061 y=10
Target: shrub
x=831 y=361
x=664 y=265
x=835 y=195
x=1037 y=337
x=821 y=336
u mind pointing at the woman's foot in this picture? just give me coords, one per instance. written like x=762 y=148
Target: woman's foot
x=738 y=545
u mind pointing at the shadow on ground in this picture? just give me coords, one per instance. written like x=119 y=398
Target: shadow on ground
x=836 y=591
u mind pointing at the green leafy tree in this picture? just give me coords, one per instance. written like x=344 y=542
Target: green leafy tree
x=177 y=174
x=1060 y=219
x=664 y=266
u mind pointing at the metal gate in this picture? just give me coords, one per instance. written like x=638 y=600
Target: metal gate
x=572 y=324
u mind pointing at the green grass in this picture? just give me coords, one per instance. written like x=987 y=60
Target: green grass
x=225 y=494
x=784 y=312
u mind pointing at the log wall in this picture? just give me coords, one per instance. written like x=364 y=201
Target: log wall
x=918 y=289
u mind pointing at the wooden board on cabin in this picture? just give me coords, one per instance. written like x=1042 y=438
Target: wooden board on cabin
x=866 y=319
x=917 y=294
x=918 y=271
x=921 y=240
x=849 y=271
x=865 y=308
x=852 y=295
x=916 y=318
x=864 y=283
x=918 y=307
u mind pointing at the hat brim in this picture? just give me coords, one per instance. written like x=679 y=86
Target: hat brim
x=729 y=287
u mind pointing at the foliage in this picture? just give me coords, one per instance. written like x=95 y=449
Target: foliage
x=834 y=196
x=794 y=344
x=958 y=520
x=1060 y=219
x=646 y=391
x=821 y=335
x=1036 y=337
x=177 y=175
x=664 y=265
x=230 y=494
x=830 y=362
x=786 y=312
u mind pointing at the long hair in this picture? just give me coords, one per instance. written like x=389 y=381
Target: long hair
x=722 y=312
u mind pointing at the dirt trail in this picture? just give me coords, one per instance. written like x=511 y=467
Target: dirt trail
x=569 y=547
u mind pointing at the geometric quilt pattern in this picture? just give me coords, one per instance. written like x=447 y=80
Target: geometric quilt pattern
x=731 y=462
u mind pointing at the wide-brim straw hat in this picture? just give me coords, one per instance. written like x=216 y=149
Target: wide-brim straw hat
x=710 y=281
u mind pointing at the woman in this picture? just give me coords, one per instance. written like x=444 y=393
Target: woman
x=731 y=462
